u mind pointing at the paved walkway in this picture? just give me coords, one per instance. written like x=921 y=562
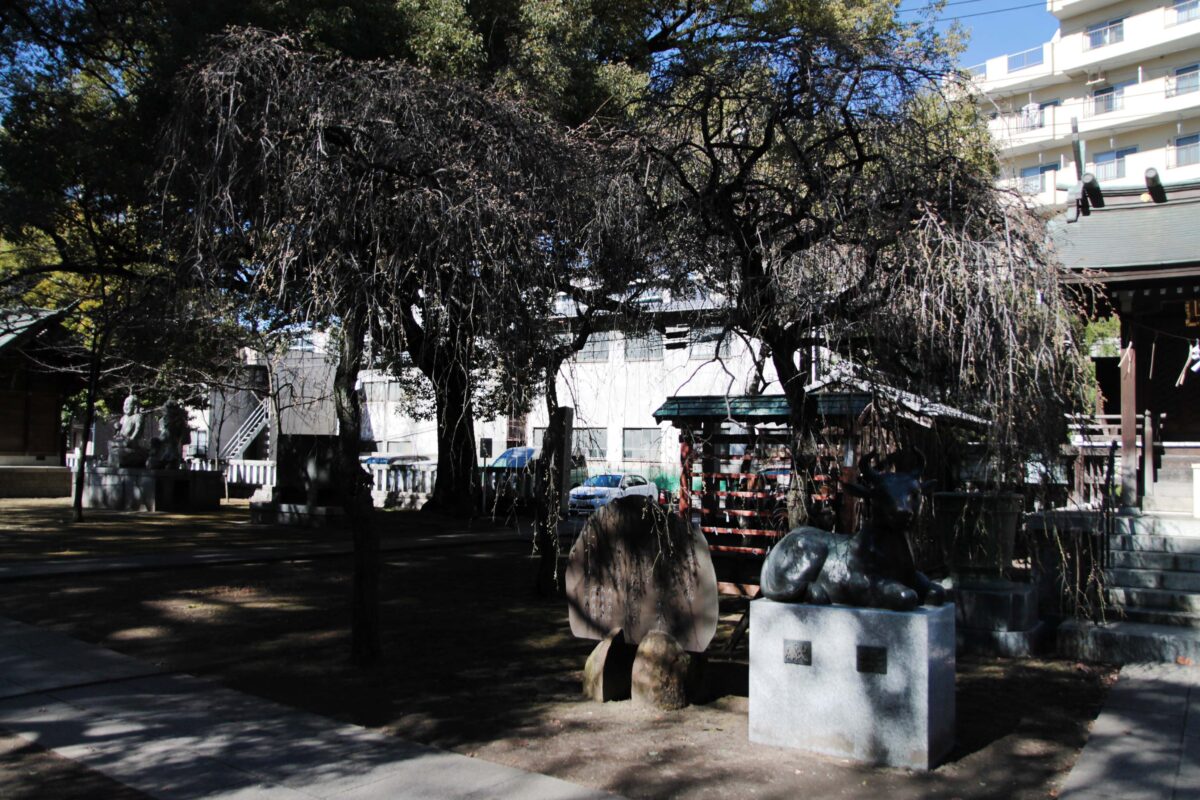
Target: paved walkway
x=179 y=737
x=1146 y=743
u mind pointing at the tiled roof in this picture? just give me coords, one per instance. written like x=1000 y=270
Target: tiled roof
x=16 y=326
x=1131 y=236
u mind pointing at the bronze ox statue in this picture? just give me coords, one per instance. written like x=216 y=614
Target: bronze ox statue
x=874 y=567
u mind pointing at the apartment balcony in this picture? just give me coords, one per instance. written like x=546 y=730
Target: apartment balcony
x=1017 y=72
x=1031 y=130
x=1174 y=165
x=1133 y=40
x=1156 y=101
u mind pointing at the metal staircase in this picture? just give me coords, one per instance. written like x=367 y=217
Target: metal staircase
x=246 y=432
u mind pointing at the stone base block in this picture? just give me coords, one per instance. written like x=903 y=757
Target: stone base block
x=297 y=515
x=1002 y=606
x=129 y=489
x=999 y=618
x=866 y=684
x=1009 y=644
x=23 y=481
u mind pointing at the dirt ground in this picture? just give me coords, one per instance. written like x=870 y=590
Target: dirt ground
x=475 y=663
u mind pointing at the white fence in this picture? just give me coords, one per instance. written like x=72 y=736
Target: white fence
x=401 y=485
x=254 y=473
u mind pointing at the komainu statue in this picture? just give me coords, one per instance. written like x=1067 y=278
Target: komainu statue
x=126 y=449
x=874 y=567
x=166 y=451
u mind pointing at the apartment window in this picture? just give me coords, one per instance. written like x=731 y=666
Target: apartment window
x=1185 y=80
x=1111 y=165
x=591 y=442
x=704 y=344
x=1105 y=33
x=587 y=442
x=1187 y=150
x=1033 y=179
x=1107 y=100
x=644 y=348
x=642 y=444
x=596 y=349
x=1186 y=11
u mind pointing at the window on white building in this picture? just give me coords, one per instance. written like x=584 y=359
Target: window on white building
x=1186 y=11
x=1105 y=33
x=1111 y=164
x=1185 y=80
x=642 y=444
x=596 y=349
x=588 y=442
x=1187 y=150
x=705 y=343
x=1033 y=179
x=644 y=348
x=1107 y=100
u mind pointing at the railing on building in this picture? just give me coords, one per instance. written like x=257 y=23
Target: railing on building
x=1106 y=103
x=1184 y=83
x=1033 y=57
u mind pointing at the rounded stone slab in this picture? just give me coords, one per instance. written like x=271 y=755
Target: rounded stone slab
x=639 y=569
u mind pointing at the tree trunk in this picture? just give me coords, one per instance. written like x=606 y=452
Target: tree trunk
x=457 y=479
x=802 y=420
x=356 y=497
x=89 y=419
x=556 y=449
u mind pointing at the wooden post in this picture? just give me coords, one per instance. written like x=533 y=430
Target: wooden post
x=685 y=473
x=1129 y=418
x=710 y=465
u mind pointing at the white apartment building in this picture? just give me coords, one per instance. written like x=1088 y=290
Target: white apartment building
x=1124 y=74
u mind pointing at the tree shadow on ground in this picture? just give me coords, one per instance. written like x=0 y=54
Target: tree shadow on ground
x=476 y=663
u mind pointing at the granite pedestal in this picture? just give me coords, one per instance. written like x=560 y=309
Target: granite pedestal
x=865 y=684
x=129 y=489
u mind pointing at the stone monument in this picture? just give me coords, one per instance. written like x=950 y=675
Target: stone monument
x=154 y=478
x=639 y=577
x=844 y=659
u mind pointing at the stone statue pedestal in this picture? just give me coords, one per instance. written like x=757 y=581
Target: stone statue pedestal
x=866 y=684
x=130 y=489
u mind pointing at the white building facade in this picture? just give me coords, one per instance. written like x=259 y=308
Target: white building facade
x=1123 y=74
x=615 y=384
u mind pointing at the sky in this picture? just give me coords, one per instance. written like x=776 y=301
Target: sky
x=995 y=27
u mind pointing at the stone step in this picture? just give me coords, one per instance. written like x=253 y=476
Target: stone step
x=1158 y=599
x=1156 y=616
x=1158 y=504
x=1153 y=579
x=1156 y=543
x=1158 y=524
x=1150 y=560
x=1127 y=642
